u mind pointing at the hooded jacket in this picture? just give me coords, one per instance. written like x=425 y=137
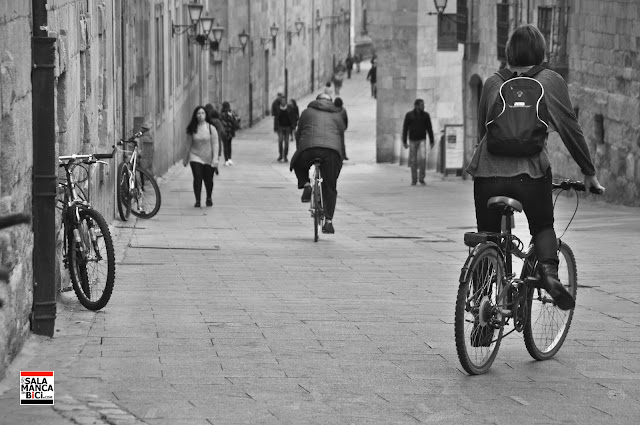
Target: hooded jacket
x=320 y=126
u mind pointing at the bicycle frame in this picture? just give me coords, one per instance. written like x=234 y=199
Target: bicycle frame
x=131 y=162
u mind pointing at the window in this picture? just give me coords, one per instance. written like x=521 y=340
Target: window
x=503 y=29
x=159 y=59
x=544 y=24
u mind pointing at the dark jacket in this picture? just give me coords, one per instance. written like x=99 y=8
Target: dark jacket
x=220 y=127
x=373 y=75
x=320 y=125
x=417 y=125
x=227 y=118
x=293 y=114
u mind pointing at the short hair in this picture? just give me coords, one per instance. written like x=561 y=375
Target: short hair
x=417 y=102
x=526 y=46
x=338 y=102
x=323 y=96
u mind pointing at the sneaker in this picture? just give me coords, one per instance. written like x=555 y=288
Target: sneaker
x=422 y=182
x=230 y=161
x=328 y=227
x=226 y=163
x=197 y=204
x=209 y=202
x=413 y=183
x=286 y=159
x=306 y=194
x=279 y=159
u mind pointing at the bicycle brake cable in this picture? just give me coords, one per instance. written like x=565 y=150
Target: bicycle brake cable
x=574 y=211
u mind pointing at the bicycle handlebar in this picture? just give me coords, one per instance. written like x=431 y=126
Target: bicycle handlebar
x=575 y=185
x=135 y=136
x=87 y=158
x=14 y=219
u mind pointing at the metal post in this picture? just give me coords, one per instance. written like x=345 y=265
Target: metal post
x=43 y=314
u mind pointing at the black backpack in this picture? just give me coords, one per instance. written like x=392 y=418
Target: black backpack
x=518 y=121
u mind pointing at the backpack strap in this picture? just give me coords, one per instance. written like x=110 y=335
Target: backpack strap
x=506 y=74
x=533 y=71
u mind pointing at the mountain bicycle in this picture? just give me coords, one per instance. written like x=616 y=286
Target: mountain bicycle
x=317 y=202
x=490 y=295
x=87 y=247
x=8 y=221
x=137 y=190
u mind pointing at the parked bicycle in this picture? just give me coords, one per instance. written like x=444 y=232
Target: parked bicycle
x=490 y=296
x=317 y=202
x=138 y=191
x=5 y=222
x=88 y=247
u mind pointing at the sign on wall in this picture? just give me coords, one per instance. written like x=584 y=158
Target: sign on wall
x=447 y=32
x=453 y=149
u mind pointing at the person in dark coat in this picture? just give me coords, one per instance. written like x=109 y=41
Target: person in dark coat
x=231 y=123
x=349 y=64
x=343 y=113
x=417 y=125
x=294 y=115
x=214 y=118
x=275 y=106
x=320 y=132
x=372 y=77
x=285 y=127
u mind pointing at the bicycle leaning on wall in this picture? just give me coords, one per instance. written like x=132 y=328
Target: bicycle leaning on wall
x=87 y=247
x=137 y=189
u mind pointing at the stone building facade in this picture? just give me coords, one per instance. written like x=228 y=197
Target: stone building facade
x=117 y=65
x=594 y=45
x=410 y=66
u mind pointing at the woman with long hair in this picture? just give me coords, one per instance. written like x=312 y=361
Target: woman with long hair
x=202 y=153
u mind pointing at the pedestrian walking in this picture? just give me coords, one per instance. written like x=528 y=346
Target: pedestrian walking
x=348 y=62
x=343 y=113
x=214 y=118
x=275 y=106
x=527 y=177
x=328 y=89
x=231 y=122
x=285 y=124
x=357 y=59
x=338 y=77
x=294 y=114
x=201 y=154
x=320 y=133
x=372 y=78
x=416 y=126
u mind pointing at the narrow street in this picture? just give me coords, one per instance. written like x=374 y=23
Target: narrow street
x=233 y=315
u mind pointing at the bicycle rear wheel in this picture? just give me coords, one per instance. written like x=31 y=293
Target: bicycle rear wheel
x=316 y=210
x=92 y=263
x=145 y=197
x=124 y=192
x=478 y=324
x=547 y=325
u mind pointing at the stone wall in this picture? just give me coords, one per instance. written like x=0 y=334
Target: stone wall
x=602 y=75
x=16 y=164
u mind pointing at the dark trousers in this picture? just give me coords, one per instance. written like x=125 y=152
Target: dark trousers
x=226 y=148
x=536 y=198
x=202 y=173
x=330 y=169
x=284 y=134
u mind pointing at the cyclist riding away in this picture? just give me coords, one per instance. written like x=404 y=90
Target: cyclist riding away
x=319 y=134
x=527 y=177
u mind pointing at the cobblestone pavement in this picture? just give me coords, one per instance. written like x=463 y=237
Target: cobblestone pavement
x=233 y=315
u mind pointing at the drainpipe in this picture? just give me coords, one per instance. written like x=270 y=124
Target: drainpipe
x=43 y=314
x=250 y=65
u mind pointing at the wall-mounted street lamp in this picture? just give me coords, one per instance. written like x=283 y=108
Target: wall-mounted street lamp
x=243 y=37
x=440 y=5
x=298 y=28
x=273 y=31
x=206 y=24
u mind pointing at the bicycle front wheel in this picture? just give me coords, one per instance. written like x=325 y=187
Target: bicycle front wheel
x=547 y=325
x=145 y=196
x=124 y=192
x=479 y=325
x=92 y=262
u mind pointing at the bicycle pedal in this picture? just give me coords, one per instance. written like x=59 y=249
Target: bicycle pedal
x=534 y=282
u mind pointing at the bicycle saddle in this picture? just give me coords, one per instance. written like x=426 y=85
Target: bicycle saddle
x=317 y=161
x=504 y=202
